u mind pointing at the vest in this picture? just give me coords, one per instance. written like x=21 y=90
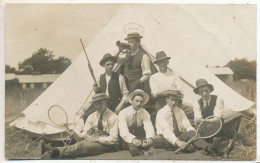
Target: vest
x=133 y=69
x=114 y=90
x=206 y=112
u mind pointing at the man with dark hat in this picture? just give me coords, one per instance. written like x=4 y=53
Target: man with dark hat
x=163 y=80
x=135 y=126
x=174 y=129
x=136 y=65
x=100 y=134
x=207 y=105
x=113 y=84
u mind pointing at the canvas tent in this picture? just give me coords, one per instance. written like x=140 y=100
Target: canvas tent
x=73 y=89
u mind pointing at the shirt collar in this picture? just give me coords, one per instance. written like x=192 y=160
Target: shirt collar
x=134 y=52
x=134 y=111
x=204 y=102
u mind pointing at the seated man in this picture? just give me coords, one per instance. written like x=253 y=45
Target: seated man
x=174 y=129
x=135 y=126
x=207 y=105
x=100 y=134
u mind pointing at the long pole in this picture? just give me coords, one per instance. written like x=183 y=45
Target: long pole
x=89 y=66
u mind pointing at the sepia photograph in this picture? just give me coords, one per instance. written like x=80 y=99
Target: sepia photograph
x=125 y=81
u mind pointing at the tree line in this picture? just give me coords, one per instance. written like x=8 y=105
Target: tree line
x=43 y=62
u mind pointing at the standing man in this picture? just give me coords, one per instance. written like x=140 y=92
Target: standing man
x=100 y=134
x=207 y=105
x=163 y=80
x=135 y=126
x=137 y=65
x=113 y=84
x=174 y=129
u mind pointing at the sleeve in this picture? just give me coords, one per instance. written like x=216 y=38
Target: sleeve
x=113 y=132
x=123 y=128
x=153 y=86
x=88 y=124
x=219 y=108
x=165 y=127
x=185 y=122
x=197 y=112
x=148 y=126
x=124 y=90
x=145 y=64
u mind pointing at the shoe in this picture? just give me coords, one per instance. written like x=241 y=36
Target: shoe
x=229 y=148
x=211 y=150
x=47 y=155
x=55 y=153
x=135 y=151
x=44 y=147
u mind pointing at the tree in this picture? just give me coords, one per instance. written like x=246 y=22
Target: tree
x=243 y=69
x=43 y=61
x=9 y=69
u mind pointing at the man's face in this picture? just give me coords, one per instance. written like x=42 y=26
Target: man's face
x=109 y=65
x=163 y=65
x=101 y=106
x=134 y=45
x=204 y=92
x=172 y=100
x=137 y=102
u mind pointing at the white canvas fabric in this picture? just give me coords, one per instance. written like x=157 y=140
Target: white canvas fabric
x=73 y=89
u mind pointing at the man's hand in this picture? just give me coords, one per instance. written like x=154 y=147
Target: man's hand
x=150 y=141
x=137 y=142
x=181 y=144
x=93 y=139
x=118 y=109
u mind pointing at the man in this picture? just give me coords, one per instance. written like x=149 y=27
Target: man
x=207 y=105
x=113 y=84
x=174 y=128
x=163 y=80
x=136 y=65
x=100 y=134
x=135 y=126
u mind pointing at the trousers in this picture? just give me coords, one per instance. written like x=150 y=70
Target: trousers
x=85 y=148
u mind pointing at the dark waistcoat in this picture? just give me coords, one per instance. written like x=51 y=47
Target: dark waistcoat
x=209 y=111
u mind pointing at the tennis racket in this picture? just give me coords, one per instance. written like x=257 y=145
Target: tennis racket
x=209 y=127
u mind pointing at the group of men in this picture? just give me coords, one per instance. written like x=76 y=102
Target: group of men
x=120 y=120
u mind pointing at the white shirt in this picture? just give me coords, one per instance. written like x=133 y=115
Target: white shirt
x=160 y=82
x=126 y=119
x=164 y=124
x=122 y=85
x=110 y=125
x=218 y=109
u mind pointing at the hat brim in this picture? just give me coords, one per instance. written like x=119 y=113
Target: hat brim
x=99 y=99
x=168 y=58
x=172 y=92
x=131 y=95
x=196 y=90
x=103 y=61
x=127 y=38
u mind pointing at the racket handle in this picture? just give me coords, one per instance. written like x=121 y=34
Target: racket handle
x=178 y=150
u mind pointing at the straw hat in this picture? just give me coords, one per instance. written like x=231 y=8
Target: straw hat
x=98 y=97
x=136 y=92
x=133 y=35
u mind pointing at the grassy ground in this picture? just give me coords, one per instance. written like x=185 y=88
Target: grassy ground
x=16 y=141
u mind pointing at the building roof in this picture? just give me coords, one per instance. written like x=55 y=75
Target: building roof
x=43 y=78
x=9 y=76
x=220 y=70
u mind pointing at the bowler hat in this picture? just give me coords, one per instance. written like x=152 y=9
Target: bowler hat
x=202 y=82
x=133 y=35
x=160 y=56
x=107 y=57
x=136 y=92
x=98 y=97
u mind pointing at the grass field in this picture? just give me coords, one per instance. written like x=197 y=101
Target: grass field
x=19 y=145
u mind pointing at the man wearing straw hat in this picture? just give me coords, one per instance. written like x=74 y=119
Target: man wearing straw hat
x=100 y=134
x=207 y=105
x=174 y=129
x=137 y=64
x=135 y=126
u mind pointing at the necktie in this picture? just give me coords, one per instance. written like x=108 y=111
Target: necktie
x=207 y=104
x=135 y=120
x=100 y=126
x=176 y=130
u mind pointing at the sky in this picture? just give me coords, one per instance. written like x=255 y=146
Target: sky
x=59 y=27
